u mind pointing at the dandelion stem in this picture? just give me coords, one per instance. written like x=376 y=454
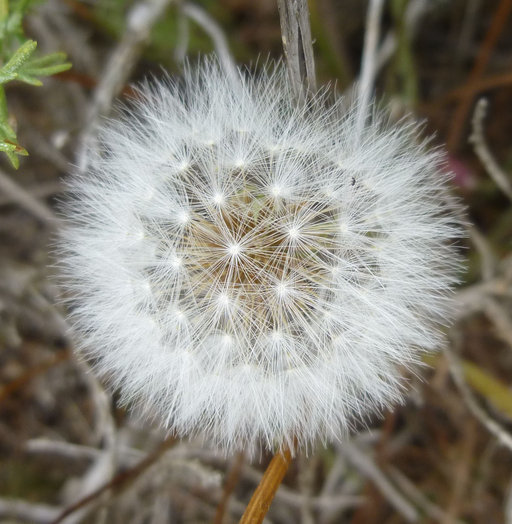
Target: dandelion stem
x=267 y=488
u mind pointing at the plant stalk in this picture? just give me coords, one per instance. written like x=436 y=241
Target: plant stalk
x=262 y=498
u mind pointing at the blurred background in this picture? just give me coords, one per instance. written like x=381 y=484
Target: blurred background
x=69 y=453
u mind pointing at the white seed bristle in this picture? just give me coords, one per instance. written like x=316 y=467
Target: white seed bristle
x=262 y=286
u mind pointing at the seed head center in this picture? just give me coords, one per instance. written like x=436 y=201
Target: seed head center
x=246 y=254
x=234 y=249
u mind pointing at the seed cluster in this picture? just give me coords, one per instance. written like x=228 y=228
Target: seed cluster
x=248 y=264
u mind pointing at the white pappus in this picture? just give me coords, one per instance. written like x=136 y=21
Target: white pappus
x=253 y=270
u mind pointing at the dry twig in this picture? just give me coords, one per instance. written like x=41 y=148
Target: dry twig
x=481 y=148
x=328 y=502
x=140 y=20
x=119 y=480
x=494 y=427
x=210 y=26
x=229 y=486
x=501 y=319
x=368 y=63
x=367 y=467
x=25 y=200
x=24 y=511
x=75 y=452
x=422 y=501
x=297 y=45
x=495 y=29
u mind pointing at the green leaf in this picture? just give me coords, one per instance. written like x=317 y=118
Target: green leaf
x=4 y=10
x=42 y=66
x=47 y=60
x=15 y=161
x=6 y=131
x=10 y=70
x=3 y=105
x=18 y=11
x=44 y=71
x=49 y=70
x=16 y=53
x=7 y=147
x=12 y=151
x=29 y=79
x=8 y=140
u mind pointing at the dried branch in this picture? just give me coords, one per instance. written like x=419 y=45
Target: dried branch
x=105 y=464
x=508 y=505
x=472 y=299
x=367 y=467
x=497 y=429
x=422 y=501
x=306 y=480
x=485 y=251
x=368 y=63
x=289 y=497
x=495 y=311
x=38 y=191
x=481 y=148
x=298 y=46
x=496 y=27
x=21 y=510
x=229 y=486
x=20 y=382
x=75 y=452
x=119 y=480
x=182 y=38
x=26 y=201
x=210 y=26
x=331 y=487
x=141 y=18
x=501 y=319
x=467 y=32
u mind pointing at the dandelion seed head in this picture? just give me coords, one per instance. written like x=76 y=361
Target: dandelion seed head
x=289 y=268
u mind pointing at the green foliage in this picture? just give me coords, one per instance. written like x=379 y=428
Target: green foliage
x=17 y=62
